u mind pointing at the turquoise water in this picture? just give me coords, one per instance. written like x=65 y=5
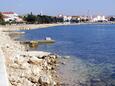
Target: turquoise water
x=90 y=45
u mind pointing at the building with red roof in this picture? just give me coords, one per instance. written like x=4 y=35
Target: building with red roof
x=11 y=16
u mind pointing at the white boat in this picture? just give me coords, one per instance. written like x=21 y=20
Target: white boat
x=48 y=38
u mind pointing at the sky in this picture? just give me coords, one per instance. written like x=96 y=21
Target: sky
x=56 y=7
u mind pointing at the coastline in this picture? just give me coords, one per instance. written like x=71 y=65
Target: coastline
x=27 y=26
x=39 y=26
x=27 y=68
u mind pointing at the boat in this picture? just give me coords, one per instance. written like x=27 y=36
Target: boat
x=48 y=38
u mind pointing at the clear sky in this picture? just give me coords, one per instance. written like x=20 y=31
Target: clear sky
x=55 y=7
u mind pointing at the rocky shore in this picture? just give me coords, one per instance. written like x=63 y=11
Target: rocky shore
x=27 y=68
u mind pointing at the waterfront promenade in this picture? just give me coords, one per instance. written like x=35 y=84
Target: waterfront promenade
x=3 y=74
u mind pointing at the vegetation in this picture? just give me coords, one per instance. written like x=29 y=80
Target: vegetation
x=1 y=19
x=1 y=16
x=32 y=19
x=112 y=19
x=41 y=19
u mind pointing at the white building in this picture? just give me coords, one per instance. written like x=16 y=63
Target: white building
x=11 y=16
x=98 y=18
x=67 y=19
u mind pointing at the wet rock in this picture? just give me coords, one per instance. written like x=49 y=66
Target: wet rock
x=66 y=57
x=63 y=63
x=53 y=56
x=95 y=80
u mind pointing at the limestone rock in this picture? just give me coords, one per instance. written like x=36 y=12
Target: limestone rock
x=27 y=83
x=34 y=60
x=33 y=79
x=35 y=70
x=44 y=80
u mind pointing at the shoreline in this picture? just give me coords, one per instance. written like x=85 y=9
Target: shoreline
x=28 y=26
x=27 y=68
x=39 y=26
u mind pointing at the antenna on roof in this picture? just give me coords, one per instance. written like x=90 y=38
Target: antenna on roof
x=41 y=13
x=88 y=14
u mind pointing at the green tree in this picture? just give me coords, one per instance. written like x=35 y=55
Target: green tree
x=112 y=19
x=30 y=18
x=1 y=17
x=41 y=19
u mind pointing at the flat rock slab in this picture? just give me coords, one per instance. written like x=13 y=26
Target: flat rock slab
x=36 y=53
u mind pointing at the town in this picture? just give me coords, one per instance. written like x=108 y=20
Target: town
x=14 y=18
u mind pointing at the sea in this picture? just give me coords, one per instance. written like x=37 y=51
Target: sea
x=88 y=51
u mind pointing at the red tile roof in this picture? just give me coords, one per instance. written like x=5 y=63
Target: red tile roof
x=7 y=12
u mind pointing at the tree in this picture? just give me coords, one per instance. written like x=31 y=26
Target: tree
x=112 y=19
x=30 y=18
x=2 y=22
x=1 y=17
x=41 y=19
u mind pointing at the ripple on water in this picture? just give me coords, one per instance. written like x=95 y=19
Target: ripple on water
x=77 y=72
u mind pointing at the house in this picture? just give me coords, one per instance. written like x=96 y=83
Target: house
x=75 y=19
x=11 y=16
x=67 y=19
x=99 y=18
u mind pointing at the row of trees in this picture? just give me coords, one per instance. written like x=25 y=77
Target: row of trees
x=41 y=19
x=33 y=19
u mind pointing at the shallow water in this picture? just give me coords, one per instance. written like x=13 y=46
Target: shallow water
x=90 y=47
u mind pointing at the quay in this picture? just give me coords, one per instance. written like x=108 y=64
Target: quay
x=36 y=42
